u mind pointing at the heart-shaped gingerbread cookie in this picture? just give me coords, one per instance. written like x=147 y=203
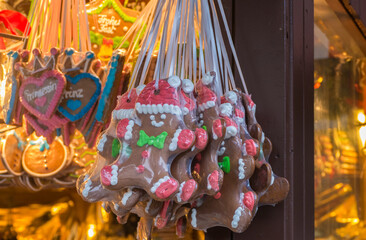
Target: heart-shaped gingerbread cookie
x=81 y=92
x=41 y=159
x=40 y=96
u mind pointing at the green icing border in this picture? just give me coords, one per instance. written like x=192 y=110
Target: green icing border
x=114 y=4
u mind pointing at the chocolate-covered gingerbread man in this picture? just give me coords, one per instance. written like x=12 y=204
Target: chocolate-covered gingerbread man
x=155 y=138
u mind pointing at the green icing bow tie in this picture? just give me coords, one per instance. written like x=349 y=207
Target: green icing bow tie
x=157 y=141
x=225 y=164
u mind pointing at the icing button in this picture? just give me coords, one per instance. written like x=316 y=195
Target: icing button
x=218 y=195
x=140 y=169
x=145 y=154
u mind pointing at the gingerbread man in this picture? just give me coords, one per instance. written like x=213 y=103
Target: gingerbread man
x=271 y=189
x=236 y=204
x=155 y=138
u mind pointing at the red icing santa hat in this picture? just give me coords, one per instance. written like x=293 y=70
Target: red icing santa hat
x=188 y=102
x=206 y=97
x=125 y=105
x=163 y=99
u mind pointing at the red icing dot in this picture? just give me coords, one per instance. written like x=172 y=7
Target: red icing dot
x=199 y=157
x=250 y=101
x=201 y=138
x=185 y=139
x=145 y=154
x=217 y=127
x=121 y=127
x=250 y=147
x=218 y=195
x=197 y=167
x=249 y=200
x=140 y=169
x=239 y=113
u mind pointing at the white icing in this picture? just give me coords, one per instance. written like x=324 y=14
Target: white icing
x=244 y=149
x=122 y=114
x=87 y=188
x=174 y=81
x=207 y=79
x=102 y=141
x=238 y=212
x=194 y=219
x=226 y=109
x=208 y=183
x=173 y=145
x=200 y=123
x=187 y=86
x=155 y=109
x=231 y=97
x=206 y=105
x=222 y=143
x=116 y=206
x=163 y=116
x=154 y=123
x=239 y=119
x=179 y=199
x=201 y=115
x=158 y=183
x=114 y=177
x=128 y=134
x=126 y=196
x=148 y=205
x=214 y=136
x=221 y=151
x=272 y=179
x=241 y=169
x=230 y=132
x=139 y=89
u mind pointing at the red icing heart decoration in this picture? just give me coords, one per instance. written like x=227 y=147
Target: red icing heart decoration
x=40 y=96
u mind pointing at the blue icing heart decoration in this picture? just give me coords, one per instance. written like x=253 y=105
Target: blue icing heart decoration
x=73 y=104
x=72 y=108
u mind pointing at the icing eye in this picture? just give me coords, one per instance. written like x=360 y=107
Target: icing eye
x=152 y=117
x=128 y=100
x=156 y=91
x=163 y=116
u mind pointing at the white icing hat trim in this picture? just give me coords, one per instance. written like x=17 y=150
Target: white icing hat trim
x=226 y=109
x=174 y=81
x=206 y=105
x=122 y=113
x=230 y=132
x=187 y=86
x=159 y=108
x=207 y=79
x=231 y=97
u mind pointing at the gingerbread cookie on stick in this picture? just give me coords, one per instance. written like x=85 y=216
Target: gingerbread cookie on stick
x=156 y=137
